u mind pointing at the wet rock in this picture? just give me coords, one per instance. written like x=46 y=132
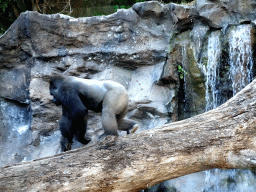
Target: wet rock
x=158 y=52
x=224 y=12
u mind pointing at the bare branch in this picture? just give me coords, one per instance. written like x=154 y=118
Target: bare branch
x=68 y=5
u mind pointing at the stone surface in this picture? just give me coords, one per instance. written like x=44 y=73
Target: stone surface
x=129 y=46
x=225 y=12
x=141 y=48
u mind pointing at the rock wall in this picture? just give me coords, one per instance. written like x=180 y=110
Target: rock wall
x=174 y=60
x=129 y=47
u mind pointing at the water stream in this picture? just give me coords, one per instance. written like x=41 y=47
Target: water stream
x=229 y=69
x=240 y=73
x=214 y=53
x=240 y=54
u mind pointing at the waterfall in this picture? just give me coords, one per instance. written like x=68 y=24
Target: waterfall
x=240 y=54
x=226 y=76
x=229 y=181
x=240 y=74
x=214 y=52
x=183 y=105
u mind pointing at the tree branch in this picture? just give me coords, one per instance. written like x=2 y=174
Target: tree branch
x=222 y=138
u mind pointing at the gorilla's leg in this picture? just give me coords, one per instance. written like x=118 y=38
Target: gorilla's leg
x=65 y=145
x=67 y=133
x=81 y=125
x=114 y=103
x=109 y=122
x=114 y=109
x=127 y=125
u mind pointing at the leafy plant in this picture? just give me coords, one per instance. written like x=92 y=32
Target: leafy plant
x=116 y=7
x=3 y=5
x=181 y=72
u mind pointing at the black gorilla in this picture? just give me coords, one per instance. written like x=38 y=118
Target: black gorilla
x=77 y=96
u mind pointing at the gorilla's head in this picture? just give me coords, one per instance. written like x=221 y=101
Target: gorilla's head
x=56 y=81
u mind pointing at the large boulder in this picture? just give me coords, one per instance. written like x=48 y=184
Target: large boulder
x=221 y=13
x=129 y=47
x=162 y=54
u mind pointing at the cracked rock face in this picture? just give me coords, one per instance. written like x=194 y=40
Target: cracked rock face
x=225 y=12
x=131 y=47
x=140 y=47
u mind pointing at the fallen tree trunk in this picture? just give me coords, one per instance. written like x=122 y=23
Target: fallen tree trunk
x=222 y=138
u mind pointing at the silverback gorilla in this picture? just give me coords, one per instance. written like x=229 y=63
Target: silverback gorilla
x=77 y=96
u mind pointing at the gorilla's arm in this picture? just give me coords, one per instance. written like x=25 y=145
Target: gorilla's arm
x=74 y=106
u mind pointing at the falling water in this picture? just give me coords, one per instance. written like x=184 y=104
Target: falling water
x=240 y=74
x=240 y=53
x=229 y=181
x=214 y=52
x=228 y=70
x=185 y=109
x=238 y=69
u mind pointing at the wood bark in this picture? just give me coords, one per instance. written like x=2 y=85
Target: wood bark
x=221 y=138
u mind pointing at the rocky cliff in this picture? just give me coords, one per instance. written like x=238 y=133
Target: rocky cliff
x=175 y=61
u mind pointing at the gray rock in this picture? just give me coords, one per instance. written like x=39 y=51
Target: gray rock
x=152 y=8
x=225 y=12
x=141 y=48
x=14 y=84
x=129 y=46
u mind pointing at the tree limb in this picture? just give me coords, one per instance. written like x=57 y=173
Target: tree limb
x=222 y=138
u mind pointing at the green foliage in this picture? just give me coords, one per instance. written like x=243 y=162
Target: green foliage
x=3 y=5
x=6 y=18
x=116 y=7
x=122 y=5
x=181 y=72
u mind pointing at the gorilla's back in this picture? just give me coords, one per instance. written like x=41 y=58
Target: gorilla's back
x=91 y=93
